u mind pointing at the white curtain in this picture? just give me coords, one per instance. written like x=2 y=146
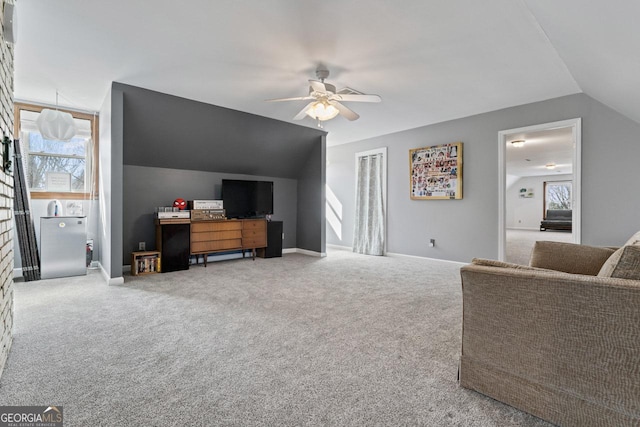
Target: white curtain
x=369 y=231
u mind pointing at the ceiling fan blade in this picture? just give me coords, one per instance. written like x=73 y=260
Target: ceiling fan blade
x=317 y=86
x=357 y=98
x=344 y=111
x=297 y=98
x=301 y=115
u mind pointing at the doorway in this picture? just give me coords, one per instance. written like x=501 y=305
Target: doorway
x=539 y=187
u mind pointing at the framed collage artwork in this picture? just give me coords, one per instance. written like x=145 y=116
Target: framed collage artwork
x=435 y=173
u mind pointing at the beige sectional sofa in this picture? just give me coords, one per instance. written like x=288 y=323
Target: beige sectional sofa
x=560 y=338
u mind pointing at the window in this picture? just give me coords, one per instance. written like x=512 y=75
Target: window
x=58 y=169
x=557 y=195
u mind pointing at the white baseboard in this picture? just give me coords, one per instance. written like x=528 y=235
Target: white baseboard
x=238 y=255
x=110 y=280
x=391 y=254
x=210 y=258
x=344 y=248
x=311 y=253
x=17 y=272
x=524 y=228
x=303 y=252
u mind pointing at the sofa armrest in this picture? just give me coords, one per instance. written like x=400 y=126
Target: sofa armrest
x=569 y=257
x=564 y=347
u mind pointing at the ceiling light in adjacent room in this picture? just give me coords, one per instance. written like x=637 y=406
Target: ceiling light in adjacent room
x=550 y=166
x=518 y=143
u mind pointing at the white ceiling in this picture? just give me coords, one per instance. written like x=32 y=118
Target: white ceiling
x=430 y=61
x=540 y=149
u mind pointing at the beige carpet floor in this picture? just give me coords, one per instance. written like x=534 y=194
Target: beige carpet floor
x=346 y=340
x=520 y=243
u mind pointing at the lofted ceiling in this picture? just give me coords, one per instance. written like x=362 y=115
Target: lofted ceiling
x=430 y=61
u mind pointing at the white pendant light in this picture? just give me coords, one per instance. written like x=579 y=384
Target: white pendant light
x=56 y=125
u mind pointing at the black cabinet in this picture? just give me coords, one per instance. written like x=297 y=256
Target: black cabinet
x=172 y=240
x=274 y=241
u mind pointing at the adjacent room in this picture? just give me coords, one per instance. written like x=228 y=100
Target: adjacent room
x=336 y=213
x=540 y=189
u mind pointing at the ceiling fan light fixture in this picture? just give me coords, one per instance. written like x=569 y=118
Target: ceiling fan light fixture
x=518 y=143
x=326 y=102
x=322 y=111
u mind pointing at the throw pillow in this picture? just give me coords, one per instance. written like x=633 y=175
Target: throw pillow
x=623 y=264
x=569 y=257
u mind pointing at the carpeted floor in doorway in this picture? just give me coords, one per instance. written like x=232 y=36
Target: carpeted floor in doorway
x=520 y=243
x=346 y=340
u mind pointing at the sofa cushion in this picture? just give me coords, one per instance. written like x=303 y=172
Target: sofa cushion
x=559 y=214
x=623 y=264
x=569 y=257
x=501 y=264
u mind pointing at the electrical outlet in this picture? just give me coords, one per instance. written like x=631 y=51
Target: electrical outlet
x=432 y=243
x=142 y=246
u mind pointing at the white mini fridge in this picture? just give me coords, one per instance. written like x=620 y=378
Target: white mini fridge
x=63 y=246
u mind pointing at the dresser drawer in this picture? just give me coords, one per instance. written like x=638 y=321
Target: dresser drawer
x=253 y=233
x=254 y=242
x=254 y=224
x=216 y=235
x=215 y=245
x=203 y=226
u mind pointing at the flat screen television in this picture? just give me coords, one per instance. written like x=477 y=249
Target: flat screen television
x=247 y=199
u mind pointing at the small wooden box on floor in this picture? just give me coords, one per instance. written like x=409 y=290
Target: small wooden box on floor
x=145 y=262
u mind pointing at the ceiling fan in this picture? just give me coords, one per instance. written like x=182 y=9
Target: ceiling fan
x=326 y=102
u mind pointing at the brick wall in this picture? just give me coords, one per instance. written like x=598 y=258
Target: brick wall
x=6 y=200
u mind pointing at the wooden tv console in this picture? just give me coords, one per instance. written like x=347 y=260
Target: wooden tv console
x=214 y=236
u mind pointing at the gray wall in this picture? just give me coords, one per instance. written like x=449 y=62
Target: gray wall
x=169 y=184
x=468 y=228
x=526 y=213
x=171 y=132
x=175 y=147
x=311 y=202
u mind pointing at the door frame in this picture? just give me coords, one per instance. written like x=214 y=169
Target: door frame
x=576 y=202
